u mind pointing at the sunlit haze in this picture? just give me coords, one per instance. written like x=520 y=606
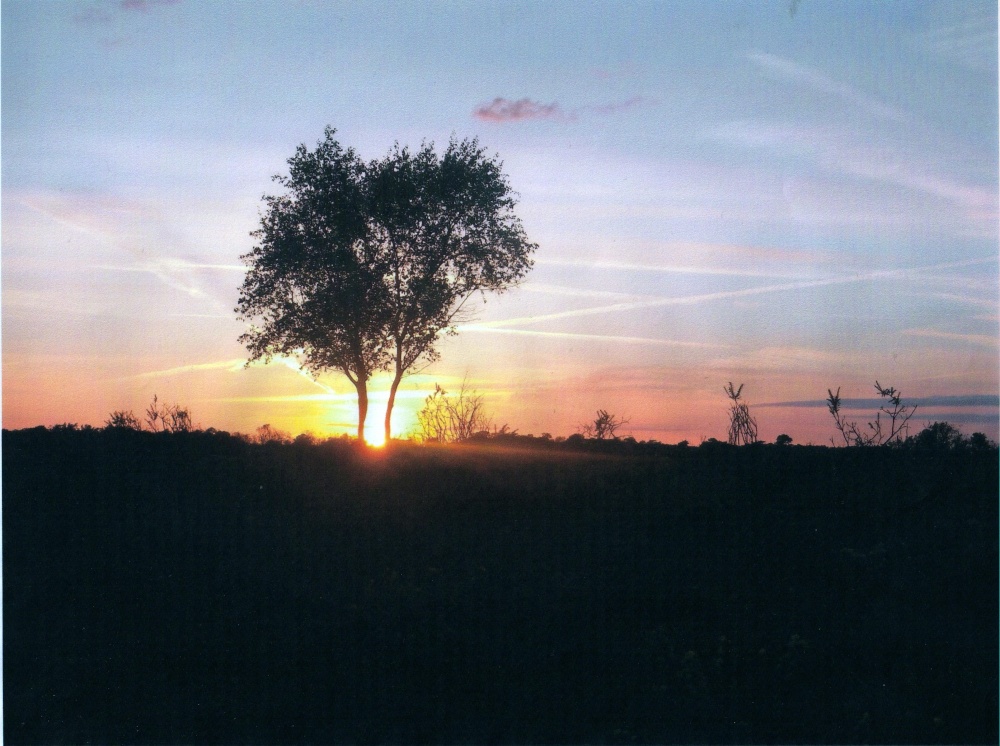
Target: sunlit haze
x=796 y=196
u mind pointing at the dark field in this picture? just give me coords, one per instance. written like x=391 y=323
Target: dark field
x=193 y=588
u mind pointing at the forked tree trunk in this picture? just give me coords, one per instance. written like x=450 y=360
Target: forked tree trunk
x=362 y=387
x=392 y=400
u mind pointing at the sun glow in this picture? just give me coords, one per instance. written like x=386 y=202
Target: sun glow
x=335 y=414
x=375 y=436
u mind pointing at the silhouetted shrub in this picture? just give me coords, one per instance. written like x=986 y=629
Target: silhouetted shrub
x=445 y=419
x=897 y=419
x=168 y=418
x=604 y=427
x=742 y=426
x=123 y=420
x=268 y=434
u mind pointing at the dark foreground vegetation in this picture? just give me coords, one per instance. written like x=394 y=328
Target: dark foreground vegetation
x=196 y=588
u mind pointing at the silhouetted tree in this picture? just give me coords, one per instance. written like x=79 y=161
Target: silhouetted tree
x=979 y=442
x=881 y=431
x=943 y=436
x=742 y=426
x=938 y=436
x=361 y=267
x=604 y=427
x=783 y=440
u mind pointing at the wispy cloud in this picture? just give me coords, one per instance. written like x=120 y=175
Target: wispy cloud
x=975 y=339
x=971 y=43
x=782 y=359
x=505 y=110
x=822 y=82
x=113 y=225
x=845 y=153
x=955 y=298
x=501 y=110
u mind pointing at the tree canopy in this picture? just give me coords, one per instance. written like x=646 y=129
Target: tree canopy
x=361 y=266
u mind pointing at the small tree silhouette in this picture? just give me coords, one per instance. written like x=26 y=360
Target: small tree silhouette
x=604 y=427
x=742 y=427
x=979 y=442
x=892 y=429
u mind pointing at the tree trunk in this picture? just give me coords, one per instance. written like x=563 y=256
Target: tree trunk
x=362 y=387
x=392 y=400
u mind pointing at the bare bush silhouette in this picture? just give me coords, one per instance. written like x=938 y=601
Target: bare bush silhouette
x=169 y=418
x=268 y=434
x=742 y=426
x=122 y=419
x=445 y=419
x=890 y=430
x=604 y=427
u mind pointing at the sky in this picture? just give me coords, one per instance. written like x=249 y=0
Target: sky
x=793 y=195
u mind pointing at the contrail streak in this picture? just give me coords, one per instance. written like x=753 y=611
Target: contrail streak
x=722 y=295
x=293 y=364
x=230 y=365
x=976 y=339
x=591 y=337
x=666 y=268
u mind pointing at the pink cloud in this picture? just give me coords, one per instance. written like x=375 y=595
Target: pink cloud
x=106 y=12
x=144 y=5
x=505 y=110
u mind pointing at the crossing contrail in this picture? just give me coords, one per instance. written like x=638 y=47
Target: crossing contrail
x=722 y=295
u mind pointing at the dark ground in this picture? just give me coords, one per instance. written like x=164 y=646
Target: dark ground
x=193 y=588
